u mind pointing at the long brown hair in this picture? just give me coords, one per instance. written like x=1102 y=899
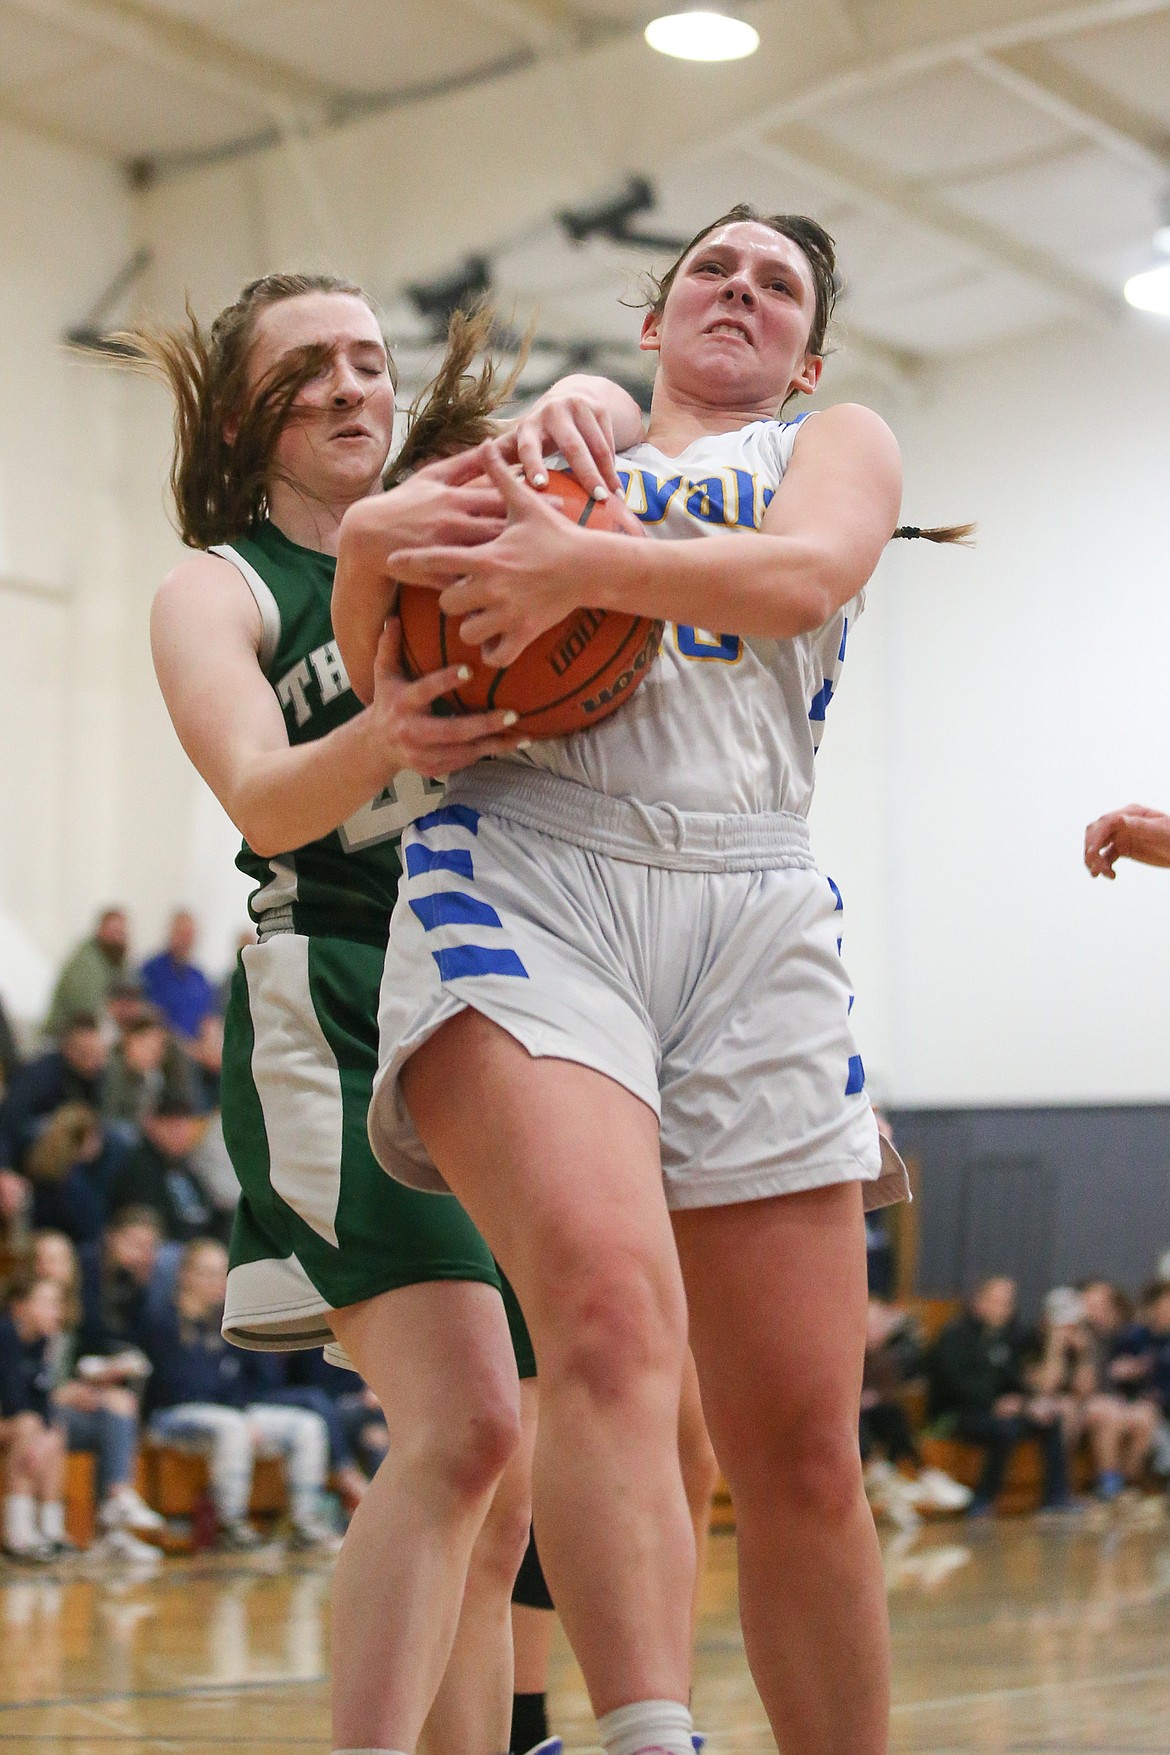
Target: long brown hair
x=455 y=411
x=219 y=486
x=820 y=252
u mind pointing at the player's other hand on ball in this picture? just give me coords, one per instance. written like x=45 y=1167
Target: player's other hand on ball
x=575 y=423
x=448 y=501
x=402 y=723
x=1136 y=832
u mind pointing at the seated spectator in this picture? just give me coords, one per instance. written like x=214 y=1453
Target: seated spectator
x=146 y=1067
x=157 y=1173
x=977 y=1392
x=127 y=1281
x=1147 y=1343
x=893 y=1356
x=34 y=1444
x=97 y=1404
x=68 y=1169
x=176 y=985
x=84 y=984
x=1119 y=1419
x=204 y=1390
x=71 y=1072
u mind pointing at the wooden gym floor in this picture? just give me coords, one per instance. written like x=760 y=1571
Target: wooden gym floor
x=1019 y=1637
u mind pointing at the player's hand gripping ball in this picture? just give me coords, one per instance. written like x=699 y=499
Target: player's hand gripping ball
x=569 y=678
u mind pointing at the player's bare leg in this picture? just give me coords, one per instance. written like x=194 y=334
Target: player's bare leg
x=574 y=1211
x=473 y=1708
x=439 y=1358
x=777 y=1294
x=700 y=1472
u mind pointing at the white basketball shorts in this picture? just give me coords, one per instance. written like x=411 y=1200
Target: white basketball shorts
x=716 y=996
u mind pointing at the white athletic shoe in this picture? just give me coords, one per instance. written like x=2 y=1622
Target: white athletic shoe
x=938 y=1491
x=126 y=1549
x=126 y=1509
x=314 y=1535
x=891 y=1495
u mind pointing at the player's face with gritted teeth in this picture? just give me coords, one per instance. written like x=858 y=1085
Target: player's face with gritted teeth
x=335 y=443
x=737 y=319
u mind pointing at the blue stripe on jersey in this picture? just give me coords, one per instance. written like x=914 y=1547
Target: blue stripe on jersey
x=453 y=908
x=820 y=702
x=420 y=860
x=460 y=816
x=856 y=1079
x=459 y=961
x=837 y=893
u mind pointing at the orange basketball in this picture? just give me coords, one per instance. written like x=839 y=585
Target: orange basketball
x=570 y=678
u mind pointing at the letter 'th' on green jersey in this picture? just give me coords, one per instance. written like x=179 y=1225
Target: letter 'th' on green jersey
x=343 y=885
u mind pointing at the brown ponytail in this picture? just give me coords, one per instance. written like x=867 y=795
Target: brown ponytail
x=219 y=484
x=456 y=409
x=963 y=534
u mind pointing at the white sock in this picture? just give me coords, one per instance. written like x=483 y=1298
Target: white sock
x=53 y=1520
x=20 y=1522
x=647 y=1724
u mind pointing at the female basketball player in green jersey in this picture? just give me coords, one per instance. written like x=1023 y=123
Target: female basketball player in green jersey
x=284 y=420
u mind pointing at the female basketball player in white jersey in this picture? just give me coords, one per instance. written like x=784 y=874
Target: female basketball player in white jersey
x=284 y=421
x=650 y=1023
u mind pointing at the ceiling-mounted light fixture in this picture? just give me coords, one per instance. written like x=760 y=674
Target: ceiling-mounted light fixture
x=702 y=36
x=1150 y=290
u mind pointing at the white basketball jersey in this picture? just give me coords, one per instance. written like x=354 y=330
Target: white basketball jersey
x=721 y=723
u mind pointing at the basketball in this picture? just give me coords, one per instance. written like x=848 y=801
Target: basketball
x=570 y=678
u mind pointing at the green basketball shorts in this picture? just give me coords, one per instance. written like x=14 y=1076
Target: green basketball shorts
x=319 y=1224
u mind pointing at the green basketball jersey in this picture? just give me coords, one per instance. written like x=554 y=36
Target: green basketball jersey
x=344 y=885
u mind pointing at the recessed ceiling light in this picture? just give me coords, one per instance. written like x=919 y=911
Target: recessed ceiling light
x=702 y=36
x=1150 y=290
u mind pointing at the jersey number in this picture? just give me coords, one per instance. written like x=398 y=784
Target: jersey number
x=385 y=817
x=699 y=643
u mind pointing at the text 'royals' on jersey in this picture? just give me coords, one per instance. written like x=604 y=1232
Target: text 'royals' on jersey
x=344 y=884
x=721 y=723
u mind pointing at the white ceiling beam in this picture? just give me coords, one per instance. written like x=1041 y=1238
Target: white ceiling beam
x=1048 y=83
x=1032 y=25
x=801 y=146
x=279 y=93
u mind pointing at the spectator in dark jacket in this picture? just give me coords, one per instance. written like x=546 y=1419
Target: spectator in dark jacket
x=68 y=1167
x=204 y=1390
x=146 y=1067
x=977 y=1392
x=127 y=1279
x=70 y=1073
x=157 y=1173
x=176 y=985
x=34 y=1444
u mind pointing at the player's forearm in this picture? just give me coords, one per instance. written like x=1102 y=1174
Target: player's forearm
x=773 y=587
x=282 y=799
x=363 y=595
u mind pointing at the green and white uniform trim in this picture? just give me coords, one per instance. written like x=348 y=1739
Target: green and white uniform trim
x=320 y=1225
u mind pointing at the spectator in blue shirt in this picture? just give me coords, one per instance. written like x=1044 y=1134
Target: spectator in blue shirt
x=176 y=985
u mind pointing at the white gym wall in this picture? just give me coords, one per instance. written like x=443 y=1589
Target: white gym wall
x=993 y=701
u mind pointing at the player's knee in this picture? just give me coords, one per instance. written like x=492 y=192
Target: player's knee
x=121 y=1402
x=619 y=1322
x=471 y=1454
